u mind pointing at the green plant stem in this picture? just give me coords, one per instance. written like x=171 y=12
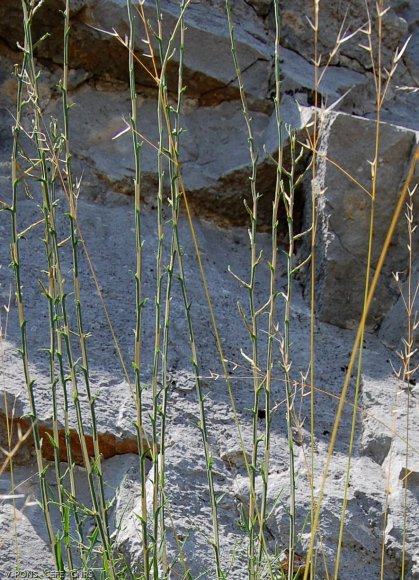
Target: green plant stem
x=174 y=145
x=314 y=201
x=406 y=355
x=215 y=542
x=289 y=200
x=15 y=255
x=162 y=97
x=48 y=203
x=375 y=166
x=272 y=286
x=49 y=221
x=255 y=260
x=342 y=398
x=139 y=301
x=94 y=473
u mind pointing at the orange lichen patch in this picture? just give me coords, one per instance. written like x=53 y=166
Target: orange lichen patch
x=109 y=444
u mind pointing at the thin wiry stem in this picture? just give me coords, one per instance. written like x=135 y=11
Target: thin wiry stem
x=96 y=472
x=390 y=232
x=184 y=196
x=289 y=201
x=47 y=158
x=65 y=331
x=272 y=285
x=374 y=177
x=161 y=99
x=406 y=357
x=53 y=354
x=255 y=260
x=314 y=201
x=139 y=301
x=215 y=542
x=23 y=77
x=175 y=196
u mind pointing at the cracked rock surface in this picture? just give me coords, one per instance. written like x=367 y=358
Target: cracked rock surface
x=216 y=169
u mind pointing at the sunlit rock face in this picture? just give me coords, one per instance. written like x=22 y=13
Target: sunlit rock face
x=215 y=168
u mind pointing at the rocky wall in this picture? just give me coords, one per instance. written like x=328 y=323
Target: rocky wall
x=216 y=168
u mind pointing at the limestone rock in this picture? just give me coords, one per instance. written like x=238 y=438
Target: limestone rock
x=335 y=18
x=334 y=82
x=216 y=169
x=108 y=236
x=215 y=162
x=94 y=48
x=344 y=202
